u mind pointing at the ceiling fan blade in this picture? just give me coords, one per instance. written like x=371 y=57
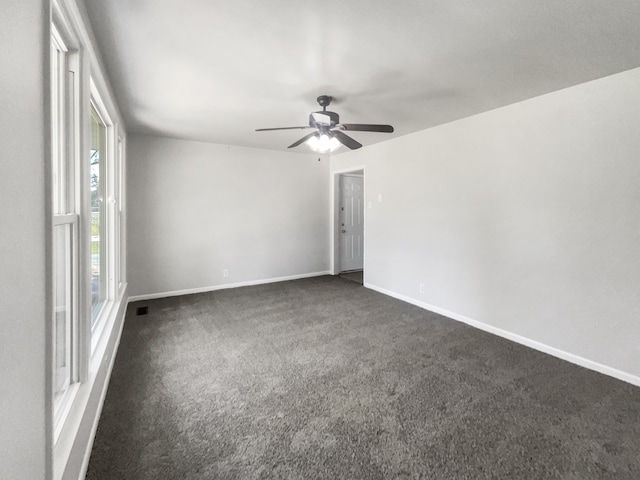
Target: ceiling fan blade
x=281 y=128
x=302 y=140
x=366 y=127
x=346 y=140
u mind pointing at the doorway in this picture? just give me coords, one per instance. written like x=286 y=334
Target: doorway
x=349 y=225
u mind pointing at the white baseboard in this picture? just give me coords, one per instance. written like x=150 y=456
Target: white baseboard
x=570 y=357
x=212 y=288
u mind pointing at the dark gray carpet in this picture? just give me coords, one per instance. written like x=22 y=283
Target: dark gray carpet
x=321 y=378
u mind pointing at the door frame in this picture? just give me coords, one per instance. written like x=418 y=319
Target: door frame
x=335 y=216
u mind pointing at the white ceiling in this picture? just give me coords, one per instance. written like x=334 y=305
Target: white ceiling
x=215 y=70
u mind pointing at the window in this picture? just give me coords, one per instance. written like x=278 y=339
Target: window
x=64 y=311
x=99 y=243
x=65 y=226
x=87 y=230
x=120 y=219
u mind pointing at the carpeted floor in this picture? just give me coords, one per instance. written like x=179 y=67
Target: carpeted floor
x=324 y=379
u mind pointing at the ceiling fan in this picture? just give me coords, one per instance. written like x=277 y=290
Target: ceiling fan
x=329 y=132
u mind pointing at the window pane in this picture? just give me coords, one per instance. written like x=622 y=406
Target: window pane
x=120 y=230
x=58 y=117
x=62 y=310
x=98 y=214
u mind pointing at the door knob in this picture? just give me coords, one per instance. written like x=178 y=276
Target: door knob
x=344 y=231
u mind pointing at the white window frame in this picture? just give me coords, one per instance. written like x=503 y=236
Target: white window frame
x=65 y=135
x=61 y=410
x=96 y=310
x=111 y=242
x=120 y=221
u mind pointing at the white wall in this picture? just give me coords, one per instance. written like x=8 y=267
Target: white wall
x=198 y=208
x=25 y=447
x=525 y=218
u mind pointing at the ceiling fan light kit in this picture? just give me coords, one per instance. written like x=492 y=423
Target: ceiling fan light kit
x=323 y=143
x=329 y=133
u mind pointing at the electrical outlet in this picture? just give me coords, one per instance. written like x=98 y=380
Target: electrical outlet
x=225 y=272
x=421 y=288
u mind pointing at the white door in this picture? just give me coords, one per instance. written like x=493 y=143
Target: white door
x=351 y=222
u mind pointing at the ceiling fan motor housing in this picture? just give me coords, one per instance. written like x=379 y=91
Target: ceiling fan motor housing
x=334 y=119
